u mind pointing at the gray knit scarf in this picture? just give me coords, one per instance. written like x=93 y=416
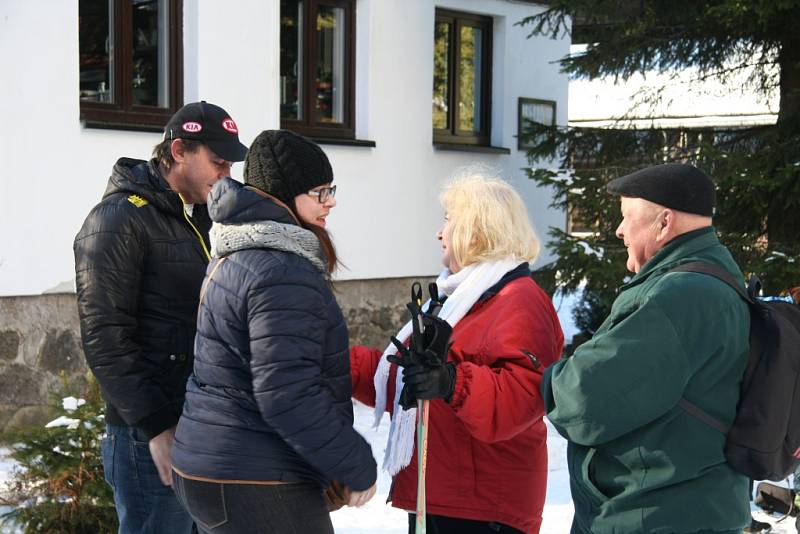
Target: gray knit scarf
x=227 y=238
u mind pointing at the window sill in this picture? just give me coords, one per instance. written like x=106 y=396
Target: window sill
x=90 y=124
x=344 y=142
x=472 y=148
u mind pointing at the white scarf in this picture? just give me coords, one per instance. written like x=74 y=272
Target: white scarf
x=463 y=290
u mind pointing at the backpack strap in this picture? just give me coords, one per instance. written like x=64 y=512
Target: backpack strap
x=717 y=272
x=702 y=415
x=723 y=275
x=207 y=281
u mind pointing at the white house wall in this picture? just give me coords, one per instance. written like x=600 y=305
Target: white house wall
x=54 y=170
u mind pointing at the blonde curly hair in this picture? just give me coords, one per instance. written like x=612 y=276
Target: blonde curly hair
x=489 y=221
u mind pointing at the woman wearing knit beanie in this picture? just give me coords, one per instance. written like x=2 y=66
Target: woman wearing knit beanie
x=268 y=423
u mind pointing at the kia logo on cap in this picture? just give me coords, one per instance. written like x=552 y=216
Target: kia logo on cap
x=230 y=126
x=192 y=127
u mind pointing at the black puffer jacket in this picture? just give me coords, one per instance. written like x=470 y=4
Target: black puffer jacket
x=269 y=398
x=139 y=264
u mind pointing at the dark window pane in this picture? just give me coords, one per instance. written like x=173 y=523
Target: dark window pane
x=441 y=75
x=291 y=59
x=96 y=50
x=150 y=53
x=316 y=92
x=330 y=90
x=469 y=83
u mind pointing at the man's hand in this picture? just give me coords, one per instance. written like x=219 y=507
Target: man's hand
x=161 y=451
x=360 y=498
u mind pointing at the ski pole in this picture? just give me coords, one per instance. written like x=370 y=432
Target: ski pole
x=422 y=422
x=423 y=407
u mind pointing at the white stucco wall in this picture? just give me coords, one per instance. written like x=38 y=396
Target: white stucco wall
x=54 y=170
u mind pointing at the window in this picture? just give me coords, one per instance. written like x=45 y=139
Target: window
x=317 y=81
x=130 y=62
x=533 y=110
x=578 y=224
x=462 y=78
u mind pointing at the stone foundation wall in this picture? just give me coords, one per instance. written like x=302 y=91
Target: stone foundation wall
x=375 y=309
x=40 y=339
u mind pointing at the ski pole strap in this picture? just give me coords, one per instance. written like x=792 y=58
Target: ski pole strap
x=436 y=305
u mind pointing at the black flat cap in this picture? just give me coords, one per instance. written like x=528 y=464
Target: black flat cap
x=673 y=185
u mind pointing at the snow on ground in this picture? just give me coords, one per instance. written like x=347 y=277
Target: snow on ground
x=376 y=517
x=6 y=466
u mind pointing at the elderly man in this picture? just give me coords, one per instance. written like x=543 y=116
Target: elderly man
x=638 y=462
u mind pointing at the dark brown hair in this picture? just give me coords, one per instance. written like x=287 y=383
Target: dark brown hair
x=162 y=152
x=331 y=260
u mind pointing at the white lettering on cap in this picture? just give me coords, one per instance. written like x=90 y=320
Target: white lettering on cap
x=230 y=126
x=192 y=127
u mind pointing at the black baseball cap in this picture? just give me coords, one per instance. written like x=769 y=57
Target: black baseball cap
x=209 y=124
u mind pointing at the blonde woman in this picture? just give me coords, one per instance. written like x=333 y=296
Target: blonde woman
x=487 y=451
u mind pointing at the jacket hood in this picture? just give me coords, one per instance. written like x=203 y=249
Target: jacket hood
x=143 y=178
x=230 y=202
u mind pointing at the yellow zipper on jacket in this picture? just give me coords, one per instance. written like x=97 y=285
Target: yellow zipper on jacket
x=196 y=231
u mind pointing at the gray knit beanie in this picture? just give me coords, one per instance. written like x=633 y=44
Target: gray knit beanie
x=285 y=165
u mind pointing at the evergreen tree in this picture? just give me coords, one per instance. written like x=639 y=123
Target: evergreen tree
x=58 y=485
x=756 y=170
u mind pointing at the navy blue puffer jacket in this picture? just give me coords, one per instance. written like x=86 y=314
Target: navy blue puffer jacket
x=269 y=398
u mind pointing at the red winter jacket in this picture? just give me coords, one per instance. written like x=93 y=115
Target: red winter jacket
x=487 y=449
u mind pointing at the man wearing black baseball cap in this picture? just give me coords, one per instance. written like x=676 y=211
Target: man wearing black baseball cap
x=209 y=124
x=640 y=461
x=140 y=259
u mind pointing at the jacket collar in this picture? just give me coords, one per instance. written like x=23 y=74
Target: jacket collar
x=143 y=178
x=519 y=271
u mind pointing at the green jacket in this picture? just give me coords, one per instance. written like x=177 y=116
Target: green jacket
x=637 y=461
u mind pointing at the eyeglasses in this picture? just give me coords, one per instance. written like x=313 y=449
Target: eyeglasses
x=323 y=194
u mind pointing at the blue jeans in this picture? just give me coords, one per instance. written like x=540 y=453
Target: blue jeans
x=144 y=504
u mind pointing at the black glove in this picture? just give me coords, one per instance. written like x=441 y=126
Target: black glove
x=430 y=375
x=436 y=340
x=429 y=345
x=426 y=382
x=403 y=358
